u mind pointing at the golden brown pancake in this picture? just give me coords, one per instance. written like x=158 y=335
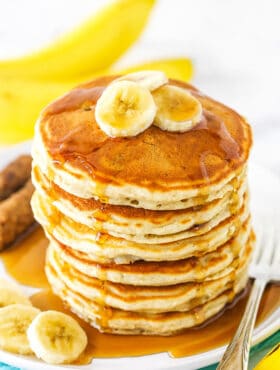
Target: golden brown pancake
x=143 y=273
x=105 y=248
x=179 y=297
x=219 y=144
x=168 y=166
x=148 y=234
x=131 y=223
x=111 y=320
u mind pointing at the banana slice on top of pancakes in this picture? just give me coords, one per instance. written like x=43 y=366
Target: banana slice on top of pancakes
x=132 y=103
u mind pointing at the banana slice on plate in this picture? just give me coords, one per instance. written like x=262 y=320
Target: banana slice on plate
x=151 y=80
x=11 y=294
x=125 y=109
x=14 y=322
x=56 y=338
x=177 y=109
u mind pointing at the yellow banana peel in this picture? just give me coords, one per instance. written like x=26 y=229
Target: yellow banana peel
x=178 y=69
x=20 y=104
x=271 y=361
x=21 y=100
x=29 y=83
x=93 y=46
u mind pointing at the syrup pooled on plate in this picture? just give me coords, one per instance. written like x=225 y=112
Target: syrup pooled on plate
x=24 y=261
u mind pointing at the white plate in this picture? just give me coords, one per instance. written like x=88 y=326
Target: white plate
x=265 y=192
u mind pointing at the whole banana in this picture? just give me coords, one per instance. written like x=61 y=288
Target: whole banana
x=29 y=83
x=271 y=361
x=21 y=100
x=93 y=46
x=20 y=104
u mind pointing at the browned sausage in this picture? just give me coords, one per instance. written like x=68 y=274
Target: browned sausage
x=15 y=214
x=14 y=175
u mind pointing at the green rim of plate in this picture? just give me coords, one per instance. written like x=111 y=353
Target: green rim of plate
x=257 y=352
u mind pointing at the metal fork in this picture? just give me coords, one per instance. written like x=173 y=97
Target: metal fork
x=265 y=267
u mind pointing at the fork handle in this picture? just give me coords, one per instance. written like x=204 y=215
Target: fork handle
x=236 y=355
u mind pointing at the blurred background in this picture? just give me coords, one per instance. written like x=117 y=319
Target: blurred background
x=234 y=46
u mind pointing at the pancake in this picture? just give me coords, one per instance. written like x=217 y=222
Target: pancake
x=123 y=220
x=116 y=321
x=142 y=273
x=149 y=234
x=105 y=248
x=180 y=297
x=197 y=200
x=149 y=170
x=46 y=208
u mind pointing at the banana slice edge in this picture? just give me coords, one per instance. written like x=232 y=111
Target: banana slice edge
x=149 y=79
x=14 y=322
x=178 y=110
x=125 y=109
x=50 y=334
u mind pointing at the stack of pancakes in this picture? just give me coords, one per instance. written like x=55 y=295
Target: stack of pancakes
x=149 y=234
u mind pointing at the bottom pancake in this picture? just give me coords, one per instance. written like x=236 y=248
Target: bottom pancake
x=148 y=310
x=115 y=321
x=180 y=297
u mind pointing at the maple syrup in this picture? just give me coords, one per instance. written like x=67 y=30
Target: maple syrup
x=25 y=259
x=215 y=147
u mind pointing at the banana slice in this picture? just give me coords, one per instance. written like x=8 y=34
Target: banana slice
x=125 y=109
x=11 y=294
x=151 y=80
x=56 y=338
x=177 y=109
x=14 y=322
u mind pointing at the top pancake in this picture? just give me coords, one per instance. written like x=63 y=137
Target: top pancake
x=155 y=164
